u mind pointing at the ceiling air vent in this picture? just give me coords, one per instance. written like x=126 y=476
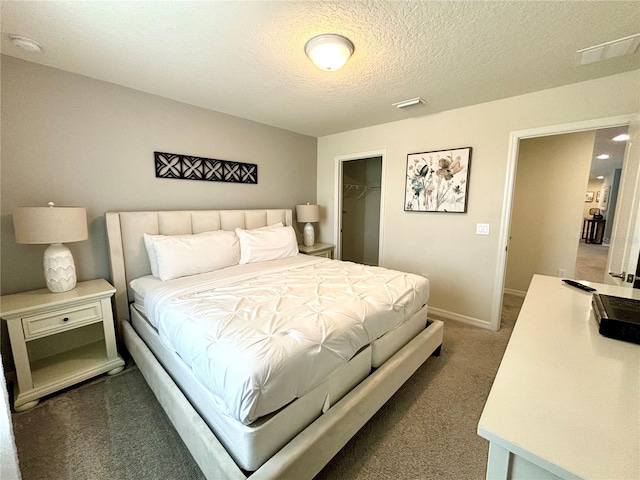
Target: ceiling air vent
x=605 y=51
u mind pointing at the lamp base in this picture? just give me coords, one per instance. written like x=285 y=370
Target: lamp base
x=308 y=235
x=59 y=268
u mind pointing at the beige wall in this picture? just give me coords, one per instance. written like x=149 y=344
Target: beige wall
x=78 y=141
x=548 y=206
x=461 y=265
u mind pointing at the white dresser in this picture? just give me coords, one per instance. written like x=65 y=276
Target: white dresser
x=566 y=400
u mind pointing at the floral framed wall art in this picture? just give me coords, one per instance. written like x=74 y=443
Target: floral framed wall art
x=438 y=181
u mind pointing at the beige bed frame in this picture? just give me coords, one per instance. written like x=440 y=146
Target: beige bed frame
x=305 y=455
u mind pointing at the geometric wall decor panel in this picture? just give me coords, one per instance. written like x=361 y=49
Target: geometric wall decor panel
x=186 y=167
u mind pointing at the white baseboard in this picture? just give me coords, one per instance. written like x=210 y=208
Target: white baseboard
x=516 y=293
x=440 y=314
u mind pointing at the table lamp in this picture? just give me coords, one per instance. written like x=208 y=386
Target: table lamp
x=308 y=214
x=53 y=225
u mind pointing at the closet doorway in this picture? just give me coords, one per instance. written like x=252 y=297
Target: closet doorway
x=360 y=209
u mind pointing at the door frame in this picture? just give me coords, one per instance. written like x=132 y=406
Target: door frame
x=623 y=255
x=337 y=200
x=510 y=180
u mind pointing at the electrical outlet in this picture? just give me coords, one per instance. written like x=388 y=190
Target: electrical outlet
x=562 y=272
x=482 y=229
x=630 y=277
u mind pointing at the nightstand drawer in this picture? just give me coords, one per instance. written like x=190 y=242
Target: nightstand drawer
x=61 y=320
x=318 y=250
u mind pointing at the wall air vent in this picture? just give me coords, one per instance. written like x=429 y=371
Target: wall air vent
x=608 y=50
x=408 y=103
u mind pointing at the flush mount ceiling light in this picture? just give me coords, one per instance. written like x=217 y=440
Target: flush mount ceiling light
x=604 y=156
x=329 y=51
x=25 y=43
x=408 y=103
x=621 y=138
x=600 y=177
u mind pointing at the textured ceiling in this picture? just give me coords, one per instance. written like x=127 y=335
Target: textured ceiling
x=247 y=58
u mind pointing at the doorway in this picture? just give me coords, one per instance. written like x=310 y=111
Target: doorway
x=601 y=197
x=361 y=190
x=563 y=207
x=623 y=240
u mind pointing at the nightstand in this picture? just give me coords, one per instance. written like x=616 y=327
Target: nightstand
x=60 y=339
x=317 y=249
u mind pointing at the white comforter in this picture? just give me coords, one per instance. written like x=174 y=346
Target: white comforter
x=259 y=336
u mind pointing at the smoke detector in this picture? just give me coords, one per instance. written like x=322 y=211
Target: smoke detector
x=25 y=43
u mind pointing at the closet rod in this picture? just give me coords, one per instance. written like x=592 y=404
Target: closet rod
x=350 y=186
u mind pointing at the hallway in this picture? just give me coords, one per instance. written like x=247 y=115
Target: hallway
x=591 y=263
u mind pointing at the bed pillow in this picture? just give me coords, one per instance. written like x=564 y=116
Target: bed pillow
x=182 y=255
x=275 y=225
x=148 y=243
x=151 y=253
x=262 y=244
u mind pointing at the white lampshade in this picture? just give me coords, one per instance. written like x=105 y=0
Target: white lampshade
x=53 y=225
x=329 y=51
x=41 y=225
x=308 y=213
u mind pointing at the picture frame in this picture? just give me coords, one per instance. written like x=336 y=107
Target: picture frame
x=438 y=181
x=598 y=196
x=188 y=167
x=604 y=201
x=589 y=197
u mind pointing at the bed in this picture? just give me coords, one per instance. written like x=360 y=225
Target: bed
x=356 y=334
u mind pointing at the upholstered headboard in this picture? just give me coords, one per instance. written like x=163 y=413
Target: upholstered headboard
x=125 y=232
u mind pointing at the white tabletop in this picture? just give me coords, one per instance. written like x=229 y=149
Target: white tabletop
x=11 y=305
x=565 y=397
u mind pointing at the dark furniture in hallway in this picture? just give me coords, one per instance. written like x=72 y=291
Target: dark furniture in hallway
x=593 y=230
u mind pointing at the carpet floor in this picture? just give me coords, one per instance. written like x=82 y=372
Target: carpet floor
x=113 y=428
x=591 y=263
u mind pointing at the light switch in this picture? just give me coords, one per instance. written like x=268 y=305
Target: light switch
x=482 y=229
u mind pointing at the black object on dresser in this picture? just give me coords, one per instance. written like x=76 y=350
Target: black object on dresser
x=618 y=317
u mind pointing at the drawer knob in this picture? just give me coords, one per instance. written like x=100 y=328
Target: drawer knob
x=65 y=319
